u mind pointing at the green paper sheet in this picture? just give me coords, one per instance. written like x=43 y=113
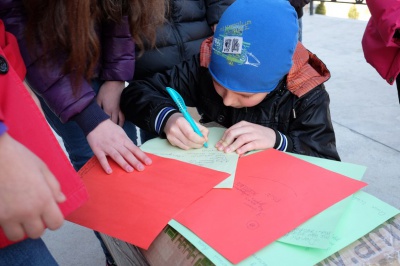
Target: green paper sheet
x=306 y=248
x=317 y=231
x=207 y=157
x=363 y=215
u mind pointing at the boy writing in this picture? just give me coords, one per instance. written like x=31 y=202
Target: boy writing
x=253 y=78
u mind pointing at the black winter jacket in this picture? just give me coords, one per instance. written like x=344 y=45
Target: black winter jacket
x=188 y=24
x=305 y=120
x=298 y=6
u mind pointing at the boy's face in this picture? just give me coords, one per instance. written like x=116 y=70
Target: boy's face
x=238 y=99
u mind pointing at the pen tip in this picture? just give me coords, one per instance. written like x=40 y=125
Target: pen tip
x=206 y=144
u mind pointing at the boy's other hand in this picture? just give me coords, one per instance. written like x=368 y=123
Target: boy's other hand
x=181 y=134
x=244 y=137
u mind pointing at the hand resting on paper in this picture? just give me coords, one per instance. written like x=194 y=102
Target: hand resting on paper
x=109 y=139
x=181 y=134
x=244 y=137
x=29 y=192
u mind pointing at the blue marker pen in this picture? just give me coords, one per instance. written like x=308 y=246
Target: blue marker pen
x=183 y=109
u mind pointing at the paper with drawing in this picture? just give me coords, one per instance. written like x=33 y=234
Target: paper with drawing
x=318 y=231
x=207 y=157
x=273 y=194
x=363 y=214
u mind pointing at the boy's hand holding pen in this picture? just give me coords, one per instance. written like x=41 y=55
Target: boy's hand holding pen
x=180 y=133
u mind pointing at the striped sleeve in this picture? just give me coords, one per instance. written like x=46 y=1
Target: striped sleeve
x=162 y=118
x=282 y=142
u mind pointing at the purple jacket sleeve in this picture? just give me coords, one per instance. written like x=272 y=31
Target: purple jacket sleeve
x=118 y=51
x=117 y=63
x=56 y=90
x=48 y=82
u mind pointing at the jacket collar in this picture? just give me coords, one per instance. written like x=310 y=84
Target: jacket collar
x=307 y=72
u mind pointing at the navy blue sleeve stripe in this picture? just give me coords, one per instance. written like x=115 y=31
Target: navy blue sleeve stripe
x=161 y=116
x=283 y=142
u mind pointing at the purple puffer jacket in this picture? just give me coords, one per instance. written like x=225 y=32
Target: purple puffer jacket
x=381 y=49
x=116 y=63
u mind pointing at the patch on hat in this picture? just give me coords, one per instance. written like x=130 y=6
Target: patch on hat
x=232 y=45
x=233 y=48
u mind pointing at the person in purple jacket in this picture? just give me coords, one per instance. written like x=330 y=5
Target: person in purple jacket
x=78 y=56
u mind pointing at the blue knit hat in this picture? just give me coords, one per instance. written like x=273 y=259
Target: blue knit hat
x=253 y=45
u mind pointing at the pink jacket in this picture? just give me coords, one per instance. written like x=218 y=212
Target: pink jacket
x=381 y=49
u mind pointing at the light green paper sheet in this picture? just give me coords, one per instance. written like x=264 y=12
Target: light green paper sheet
x=207 y=157
x=364 y=213
x=317 y=231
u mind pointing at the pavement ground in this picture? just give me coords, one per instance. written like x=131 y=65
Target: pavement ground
x=365 y=112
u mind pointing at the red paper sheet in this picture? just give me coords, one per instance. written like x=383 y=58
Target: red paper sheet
x=273 y=194
x=135 y=207
x=26 y=124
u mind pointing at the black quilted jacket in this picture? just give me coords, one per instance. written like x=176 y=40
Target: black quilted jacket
x=304 y=120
